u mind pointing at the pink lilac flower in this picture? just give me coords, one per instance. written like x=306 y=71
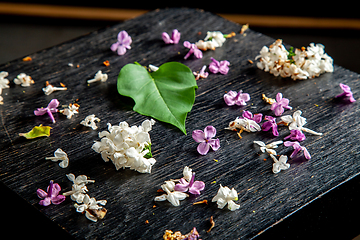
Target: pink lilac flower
x=193 y=50
x=51 y=108
x=280 y=104
x=296 y=135
x=271 y=123
x=194 y=187
x=257 y=117
x=297 y=149
x=174 y=39
x=205 y=140
x=51 y=196
x=201 y=74
x=123 y=43
x=347 y=92
x=221 y=67
x=233 y=98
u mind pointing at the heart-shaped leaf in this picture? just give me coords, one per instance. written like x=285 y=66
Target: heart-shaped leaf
x=166 y=95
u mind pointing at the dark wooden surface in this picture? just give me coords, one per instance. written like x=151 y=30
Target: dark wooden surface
x=265 y=198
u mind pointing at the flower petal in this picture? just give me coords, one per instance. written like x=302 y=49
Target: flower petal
x=45 y=202
x=210 y=132
x=166 y=38
x=214 y=144
x=198 y=136
x=197 y=187
x=58 y=199
x=203 y=148
x=54 y=103
x=41 y=193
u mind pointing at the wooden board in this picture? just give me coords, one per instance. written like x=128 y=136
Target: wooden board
x=265 y=198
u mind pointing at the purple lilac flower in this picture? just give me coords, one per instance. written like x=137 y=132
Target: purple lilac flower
x=51 y=108
x=257 y=117
x=347 y=92
x=51 y=196
x=193 y=50
x=174 y=39
x=194 y=187
x=233 y=98
x=123 y=43
x=193 y=235
x=205 y=140
x=297 y=149
x=296 y=135
x=221 y=67
x=280 y=104
x=271 y=123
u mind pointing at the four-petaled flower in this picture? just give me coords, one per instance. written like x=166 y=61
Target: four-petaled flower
x=347 y=93
x=193 y=50
x=201 y=74
x=233 y=98
x=172 y=196
x=90 y=206
x=296 y=135
x=60 y=155
x=205 y=140
x=51 y=108
x=297 y=122
x=226 y=196
x=280 y=164
x=297 y=149
x=221 y=67
x=89 y=121
x=280 y=104
x=51 y=195
x=194 y=187
x=269 y=148
x=271 y=123
x=174 y=39
x=123 y=43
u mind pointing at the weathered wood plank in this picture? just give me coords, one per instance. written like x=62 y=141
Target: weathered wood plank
x=264 y=197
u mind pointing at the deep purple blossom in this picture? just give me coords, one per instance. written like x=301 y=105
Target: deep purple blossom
x=194 y=187
x=280 y=104
x=257 y=117
x=205 y=140
x=233 y=98
x=221 y=67
x=297 y=149
x=296 y=135
x=271 y=123
x=174 y=39
x=347 y=93
x=193 y=50
x=51 y=196
x=123 y=43
x=51 y=108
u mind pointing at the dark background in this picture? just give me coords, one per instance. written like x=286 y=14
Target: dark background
x=335 y=212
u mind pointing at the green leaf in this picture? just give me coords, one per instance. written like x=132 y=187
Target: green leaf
x=149 y=154
x=166 y=95
x=40 y=131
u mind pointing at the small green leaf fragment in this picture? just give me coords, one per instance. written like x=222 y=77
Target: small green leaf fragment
x=40 y=131
x=149 y=154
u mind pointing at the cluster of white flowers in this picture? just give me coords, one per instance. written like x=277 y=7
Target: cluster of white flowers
x=126 y=146
x=300 y=64
x=212 y=40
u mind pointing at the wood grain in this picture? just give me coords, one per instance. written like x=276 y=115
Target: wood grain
x=265 y=198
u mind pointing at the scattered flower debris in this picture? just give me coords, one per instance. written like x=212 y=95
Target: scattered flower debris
x=297 y=148
x=280 y=164
x=269 y=148
x=201 y=74
x=212 y=40
x=174 y=39
x=171 y=195
x=37 y=131
x=347 y=93
x=226 y=196
x=244 y=124
x=193 y=50
x=296 y=135
x=27 y=59
x=50 y=88
x=99 y=76
x=4 y=82
x=268 y=100
x=51 y=195
x=91 y=208
x=244 y=28
x=106 y=63
x=79 y=188
x=193 y=235
x=71 y=110
x=297 y=122
x=270 y=123
x=51 y=108
x=212 y=222
x=60 y=155
x=89 y=121
x=23 y=80
x=201 y=202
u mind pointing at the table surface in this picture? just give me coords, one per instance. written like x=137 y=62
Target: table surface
x=266 y=198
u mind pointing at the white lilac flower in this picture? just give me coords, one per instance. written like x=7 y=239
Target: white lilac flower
x=60 y=155
x=49 y=89
x=99 y=76
x=212 y=40
x=269 y=148
x=187 y=172
x=89 y=121
x=71 y=110
x=23 y=80
x=299 y=64
x=226 y=196
x=296 y=122
x=153 y=68
x=244 y=124
x=79 y=188
x=4 y=82
x=91 y=208
x=127 y=147
x=280 y=164
x=172 y=196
